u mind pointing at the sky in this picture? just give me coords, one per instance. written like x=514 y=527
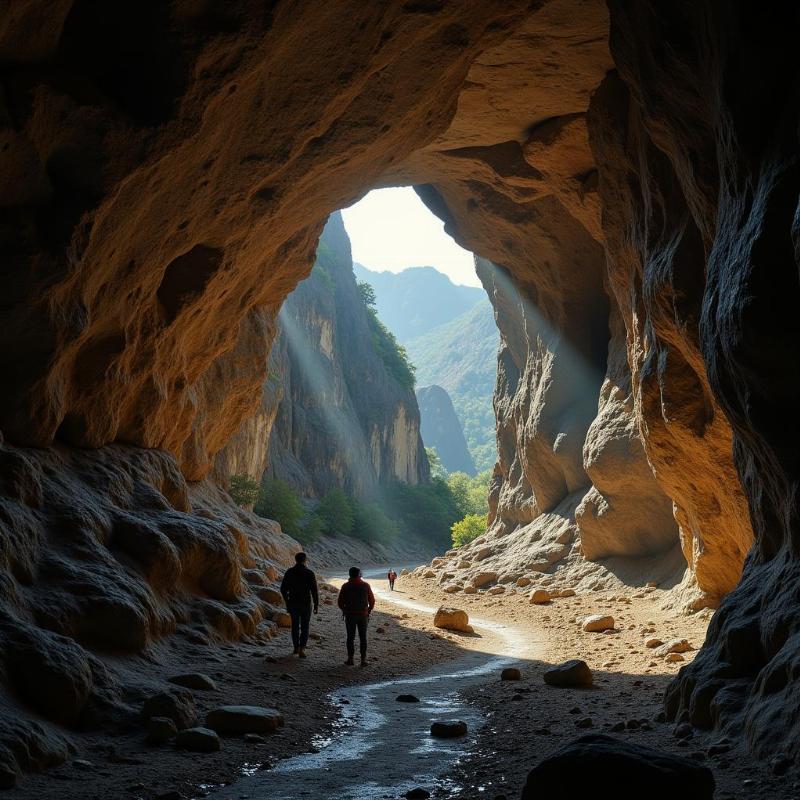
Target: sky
x=392 y=229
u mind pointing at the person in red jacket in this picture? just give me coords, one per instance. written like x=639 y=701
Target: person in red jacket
x=356 y=601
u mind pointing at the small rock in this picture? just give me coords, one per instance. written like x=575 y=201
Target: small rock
x=429 y=573
x=540 y=596
x=633 y=724
x=585 y=722
x=651 y=584
x=449 y=730
x=598 y=623
x=523 y=581
x=469 y=589
x=177 y=704
x=282 y=619
x=244 y=719
x=451 y=588
x=683 y=731
x=653 y=643
x=566 y=593
x=484 y=579
x=404 y=572
x=194 y=680
x=407 y=698
x=674 y=657
x=618 y=726
x=574 y=673
x=198 y=740
x=673 y=646
x=160 y=730
x=254 y=738
x=417 y=794
x=380 y=629
x=510 y=674
x=780 y=764
x=82 y=763
x=497 y=590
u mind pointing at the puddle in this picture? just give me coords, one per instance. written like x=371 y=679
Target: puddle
x=380 y=748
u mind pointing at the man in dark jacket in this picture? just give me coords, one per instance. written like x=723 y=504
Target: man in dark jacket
x=356 y=601
x=299 y=590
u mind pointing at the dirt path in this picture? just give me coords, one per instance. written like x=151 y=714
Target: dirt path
x=383 y=748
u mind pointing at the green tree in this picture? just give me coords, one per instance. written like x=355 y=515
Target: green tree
x=367 y=294
x=372 y=525
x=243 y=490
x=310 y=530
x=335 y=510
x=469 y=528
x=277 y=501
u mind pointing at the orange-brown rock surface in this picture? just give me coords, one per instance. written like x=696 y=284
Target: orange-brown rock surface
x=165 y=174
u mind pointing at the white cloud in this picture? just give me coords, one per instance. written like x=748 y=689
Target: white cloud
x=392 y=229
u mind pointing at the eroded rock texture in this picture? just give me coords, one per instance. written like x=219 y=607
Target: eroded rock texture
x=347 y=418
x=704 y=212
x=166 y=173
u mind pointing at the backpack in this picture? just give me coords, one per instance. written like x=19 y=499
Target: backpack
x=356 y=599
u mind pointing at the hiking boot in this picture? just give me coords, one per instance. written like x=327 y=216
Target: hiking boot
x=349 y=662
x=295 y=651
x=301 y=653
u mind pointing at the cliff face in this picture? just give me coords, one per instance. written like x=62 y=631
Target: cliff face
x=345 y=420
x=442 y=430
x=166 y=173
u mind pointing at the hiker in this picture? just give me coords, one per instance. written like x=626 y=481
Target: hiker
x=356 y=601
x=299 y=590
x=392 y=576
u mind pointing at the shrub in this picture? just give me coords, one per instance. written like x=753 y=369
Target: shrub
x=468 y=528
x=244 y=491
x=426 y=510
x=277 y=501
x=471 y=495
x=335 y=512
x=371 y=524
x=310 y=530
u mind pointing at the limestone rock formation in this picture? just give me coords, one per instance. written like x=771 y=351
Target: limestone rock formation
x=348 y=416
x=441 y=429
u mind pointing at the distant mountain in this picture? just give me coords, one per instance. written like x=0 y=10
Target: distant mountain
x=461 y=357
x=412 y=302
x=441 y=429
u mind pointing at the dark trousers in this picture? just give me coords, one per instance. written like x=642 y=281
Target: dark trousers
x=353 y=624
x=301 y=619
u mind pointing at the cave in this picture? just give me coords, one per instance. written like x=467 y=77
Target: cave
x=622 y=172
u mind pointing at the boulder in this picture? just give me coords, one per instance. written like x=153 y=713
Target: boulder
x=194 y=680
x=540 y=596
x=602 y=767
x=407 y=698
x=244 y=719
x=469 y=589
x=571 y=674
x=198 y=740
x=483 y=579
x=160 y=730
x=510 y=674
x=270 y=595
x=452 y=619
x=282 y=619
x=449 y=730
x=673 y=646
x=175 y=704
x=597 y=623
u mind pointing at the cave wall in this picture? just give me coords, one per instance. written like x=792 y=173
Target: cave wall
x=167 y=173
x=345 y=421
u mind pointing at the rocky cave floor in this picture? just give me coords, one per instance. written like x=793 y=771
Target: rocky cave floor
x=526 y=720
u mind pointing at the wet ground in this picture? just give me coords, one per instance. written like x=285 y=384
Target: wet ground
x=382 y=748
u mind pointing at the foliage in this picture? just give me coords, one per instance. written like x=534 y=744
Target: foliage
x=310 y=530
x=277 y=501
x=243 y=490
x=366 y=293
x=335 y=512
x=389 y=350
x=372 y=525
x=468 y=528
x=471 y=495
x=426 y=510
x=438 y=469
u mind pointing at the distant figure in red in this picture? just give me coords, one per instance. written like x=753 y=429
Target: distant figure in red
x=392 y=576
x=356 y=601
